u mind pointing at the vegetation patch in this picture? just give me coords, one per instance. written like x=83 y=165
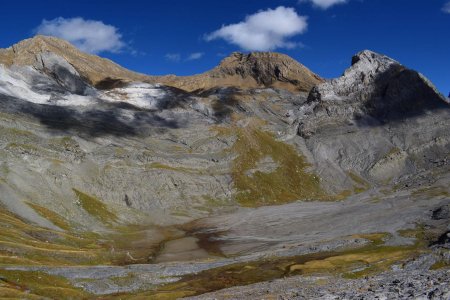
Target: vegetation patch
x=360 y=184
x=35 y=285
x=289 y=182
x=23 y=148
x=371 y=258
x=156 y=165
x=96 y=208
x=15 y=132
x=27 y=244
x=432 y=192
x=50 y=215
x=441 y=264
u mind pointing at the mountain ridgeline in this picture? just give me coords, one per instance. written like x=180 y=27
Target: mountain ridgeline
x=255 y=170
x=241 y=70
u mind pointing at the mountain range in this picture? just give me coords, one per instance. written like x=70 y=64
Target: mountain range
x=123 y=184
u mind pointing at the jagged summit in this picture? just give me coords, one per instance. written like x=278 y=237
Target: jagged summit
x=258 y=69
x=376 y=86
x=380 y=80
x=370 y=56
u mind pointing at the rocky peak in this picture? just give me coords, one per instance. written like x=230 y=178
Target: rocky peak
x=371 y=58
x=267 y=68
x=41 y=43
x=376 y=78
x=361 y=81
x=376 y=86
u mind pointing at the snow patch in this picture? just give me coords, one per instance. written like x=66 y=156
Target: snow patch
x=26 y=83
x=74 y=100
x=16 y=85
x=142 y=95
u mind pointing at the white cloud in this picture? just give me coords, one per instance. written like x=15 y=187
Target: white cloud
x=175 y=57
x=265 y=30
x=87 y=35
x=195 y=56
x=324 y=4
x=446 y=8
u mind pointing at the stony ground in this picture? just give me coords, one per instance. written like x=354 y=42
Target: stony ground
x=390 y=285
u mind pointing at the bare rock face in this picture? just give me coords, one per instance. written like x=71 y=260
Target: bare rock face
x=63 y=72
x=374 y=86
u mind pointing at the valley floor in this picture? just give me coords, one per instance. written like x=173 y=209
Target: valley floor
x=381 y=248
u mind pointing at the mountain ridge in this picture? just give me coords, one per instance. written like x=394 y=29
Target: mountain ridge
x=253 y=70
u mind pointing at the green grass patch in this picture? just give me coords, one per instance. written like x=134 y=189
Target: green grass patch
x=289 y=182
x=432 y=192
x=15 y=132
x=24 y=148
x=40 y=284
x=440 y=265
x=22 y=243
x=96 y=208
x=50 y=215
x=156 y=165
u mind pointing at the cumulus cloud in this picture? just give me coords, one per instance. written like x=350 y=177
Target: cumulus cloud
x=324 y=4
x=195 y=56
x=446 y=8
x=87 y=35
x=265 y=30
x=175 y=57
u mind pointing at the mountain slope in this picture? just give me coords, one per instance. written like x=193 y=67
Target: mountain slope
x=92 y=68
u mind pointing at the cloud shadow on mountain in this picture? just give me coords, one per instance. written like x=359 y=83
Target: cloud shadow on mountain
x=104 y=120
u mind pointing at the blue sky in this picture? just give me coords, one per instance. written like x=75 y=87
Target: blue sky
x=187 y=37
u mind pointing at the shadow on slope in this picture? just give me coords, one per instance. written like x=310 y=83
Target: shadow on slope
x=105 y=119
x=402 y=93
x=228 y=100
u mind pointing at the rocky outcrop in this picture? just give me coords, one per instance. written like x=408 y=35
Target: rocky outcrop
x=375 y=86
